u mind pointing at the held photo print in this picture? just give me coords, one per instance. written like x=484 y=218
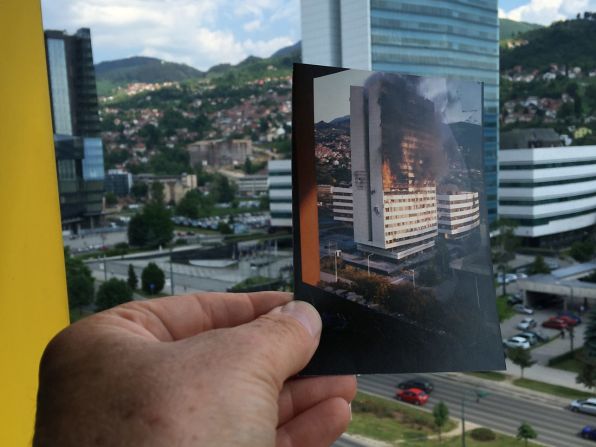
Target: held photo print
x=390 y=224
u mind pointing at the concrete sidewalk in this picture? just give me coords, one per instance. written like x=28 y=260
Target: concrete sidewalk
x=545 y=374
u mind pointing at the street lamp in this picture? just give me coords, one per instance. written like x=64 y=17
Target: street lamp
x=368 y=262
x=413 y=272
x=478 y=394
x=337 y=255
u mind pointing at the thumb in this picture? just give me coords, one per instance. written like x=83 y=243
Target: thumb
x=283 y=340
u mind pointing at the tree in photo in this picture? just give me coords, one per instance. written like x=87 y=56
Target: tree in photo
x=132 y=279
x=112 y=293
x=441 y=417
x=525 y=432
x=79 y=282
x=582 y=251
x=587 y=374
x=504 y=245
x=153 y=279
x=428 y=276
x=521 y=357
x=538 y=266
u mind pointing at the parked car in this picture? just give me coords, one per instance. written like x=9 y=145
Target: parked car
x=521 y=276
x=567 y=319
x=414 y=396
x=526 y=323
x=523 y=309
x=516 y=342
x=555 y=323
x=588 y=432
x=532 y=339
x=587 y=406
x=571 y=316
x=418 y=382
x=514 y=299
x=541 y=336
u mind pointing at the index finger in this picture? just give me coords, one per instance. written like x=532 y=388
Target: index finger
x=177 y=317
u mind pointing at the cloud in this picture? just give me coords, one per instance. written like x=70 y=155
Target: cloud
x=545 y=12
x=201 y=33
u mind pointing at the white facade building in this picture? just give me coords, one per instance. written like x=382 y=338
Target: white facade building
x=548 y=191
x=280 y=192
x=252 y=185
x=458 y=213
x=343 y=204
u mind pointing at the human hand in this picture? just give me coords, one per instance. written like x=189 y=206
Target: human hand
x=209 y=369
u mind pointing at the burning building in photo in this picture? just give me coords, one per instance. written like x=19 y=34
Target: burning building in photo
x=396 y=160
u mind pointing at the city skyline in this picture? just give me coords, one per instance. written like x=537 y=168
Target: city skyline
x=214 y=34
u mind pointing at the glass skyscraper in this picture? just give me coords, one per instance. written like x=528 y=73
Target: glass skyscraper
x=448 y=38
x=75 y=120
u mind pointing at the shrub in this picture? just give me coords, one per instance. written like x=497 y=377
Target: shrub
x=152 y=278
x=483 y=434
x=112 y=293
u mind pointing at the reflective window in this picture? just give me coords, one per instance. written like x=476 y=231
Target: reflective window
x=93 y=160
x=59 y=87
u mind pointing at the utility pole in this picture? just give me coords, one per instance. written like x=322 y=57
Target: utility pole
x=105 y=268
x=368 y=262
x=171 y=274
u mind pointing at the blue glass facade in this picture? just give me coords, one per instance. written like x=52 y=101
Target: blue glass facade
x=93 y=159
x=453 y=38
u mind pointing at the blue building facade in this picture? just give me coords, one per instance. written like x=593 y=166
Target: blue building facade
x=448 y=38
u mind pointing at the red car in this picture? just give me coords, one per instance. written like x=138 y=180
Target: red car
x=555 y=323
x=412 y=395
x=567 y=319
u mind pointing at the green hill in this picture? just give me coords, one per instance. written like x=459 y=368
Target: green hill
x=510 y=28
x=141 y=69
x=571 y=43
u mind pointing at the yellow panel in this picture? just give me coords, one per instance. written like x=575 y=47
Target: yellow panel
x=33 y=304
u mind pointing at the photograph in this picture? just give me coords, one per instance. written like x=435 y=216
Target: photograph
x=400 y=217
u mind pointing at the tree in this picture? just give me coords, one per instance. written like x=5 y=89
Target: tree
x=504 y=245
x=112 y=293
x=582 y=251
x=157 y=194
x=441 y=416
x=221 y=189
x=224 y=228
x=139 y=190
x=521 y=357
x=587 y=374
x=428 y=276
x=152 y=227
x=111 y=199
x=193 y=205
x=79 y=282
x=132 y=279
x=152 y=278
x=248 y=167
x=538 y=266
x=525 y=432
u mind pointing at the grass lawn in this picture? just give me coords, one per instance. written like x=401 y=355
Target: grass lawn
x=567 y=362
x=503 y=309
x=382 y=419
x=400 y=425
x=76 y=315
x=488 y=375
x=555 y=390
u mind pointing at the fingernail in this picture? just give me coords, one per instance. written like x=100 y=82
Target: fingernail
x=306 y=314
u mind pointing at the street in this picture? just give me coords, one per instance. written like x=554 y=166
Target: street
x=502 y=410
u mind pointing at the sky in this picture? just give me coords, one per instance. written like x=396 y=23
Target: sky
x=456 y=100
x=203 y=33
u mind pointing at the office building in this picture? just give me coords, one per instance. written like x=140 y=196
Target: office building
x=75 y=122
x=457 y=39
x=394 y=203
x=118 y=182
x=550 y=192
x=280 y=192
x=342 y=204
x=175 y=187
x=254 y=185
x=458 y=213
x=218 y=153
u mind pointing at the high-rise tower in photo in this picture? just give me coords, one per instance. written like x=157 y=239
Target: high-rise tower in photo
x=75 y=120
x=458 y=39
x=395 y=151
